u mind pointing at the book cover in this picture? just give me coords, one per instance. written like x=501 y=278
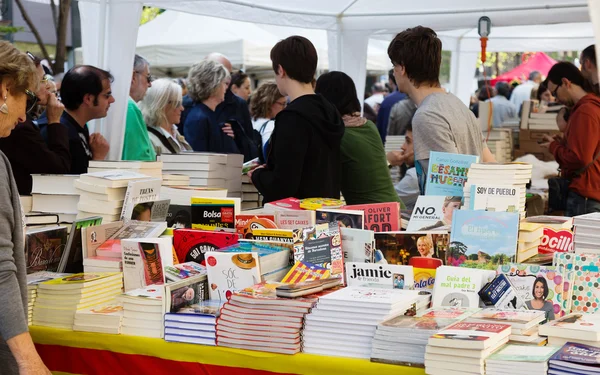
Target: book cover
x=524 y=353
x=345 y=218
x=44 y=248
x=245 y=224
x=318 y=203
x=358 y=245
x=191 y=245
x=501 y=294
x=214 y=214
x=79 y=278
x=483 y=239
x=294 y=219
x=418 y=323
x=379 y=275
x=144 y=260
x=208 y=308
x=576 y=326
x=156 y=211
x=304 y=271
x=320 y=245
x=506 y=198
x=179 y=216
x=72 y=258
x=580 y=354
x=510 y=316
x=541 y=287
x=185 y=270
x=379 y=217
x=183 y=294
x=458 y=313
x=447 y=173
x=94 y=236
x=586 y=279
x=139 y=191
x=433 y=212
x=401 y=247
x=465 y=331
x=556 y=241
x=376 y=297
x=229 y=273
x=111 y=178
x=459 y=287
x=273 y=235
x=284 y=204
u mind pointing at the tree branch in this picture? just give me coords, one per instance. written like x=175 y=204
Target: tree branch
x=34 y=30
x=54 y=16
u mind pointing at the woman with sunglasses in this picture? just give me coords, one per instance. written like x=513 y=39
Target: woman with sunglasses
x=18 y=80
x=26 y=149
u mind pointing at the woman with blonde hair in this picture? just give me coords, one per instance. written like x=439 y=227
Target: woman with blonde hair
x=266 y=103
x=425 y=246
x=18 y=82
x=161 y=108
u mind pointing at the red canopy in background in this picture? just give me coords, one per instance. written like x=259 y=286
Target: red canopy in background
x=538 y=61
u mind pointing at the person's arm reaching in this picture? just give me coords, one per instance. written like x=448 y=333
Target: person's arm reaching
x=487 y=156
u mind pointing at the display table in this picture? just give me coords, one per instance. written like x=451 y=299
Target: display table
x=68 y=352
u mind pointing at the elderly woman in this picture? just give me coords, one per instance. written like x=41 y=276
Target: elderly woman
x=207 y=83
x=161 y=108
x=18 y=82
x=240 y=85
x=266 y=103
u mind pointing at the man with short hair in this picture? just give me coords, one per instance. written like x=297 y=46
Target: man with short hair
x=522 y=92
x=137 y=144
x=304 y=155
x=383 y=116
x=589 y=69
x=442 y=122
x=578 y=155
x=503 y=109
x=374 y=101
x=86 y=95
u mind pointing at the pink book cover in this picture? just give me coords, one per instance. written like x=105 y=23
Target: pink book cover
x=379 y=217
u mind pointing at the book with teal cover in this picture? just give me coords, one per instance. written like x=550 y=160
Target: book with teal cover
x=483 y=239
x=447 y=173
x=523 y=353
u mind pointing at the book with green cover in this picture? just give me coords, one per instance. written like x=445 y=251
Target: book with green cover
x=523 y=353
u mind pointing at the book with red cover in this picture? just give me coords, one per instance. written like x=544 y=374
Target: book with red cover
x=191 y=244
x=465 y=335
x=284 y=204
x=379 y=217
x=244 y=224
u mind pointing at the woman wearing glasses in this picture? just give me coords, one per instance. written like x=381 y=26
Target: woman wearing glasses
x=161 y=108
x=26 y=149
x=18 y=81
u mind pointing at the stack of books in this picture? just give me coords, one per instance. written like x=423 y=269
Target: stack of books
x=195 y=324
x=586 y=238
x=575 y=328
x=343 y=322
x=274 y=260
x=148 y=168
x=256 y=319
x=403 y=339
x=575 y=358
x=103 y=193
x=524 y=323
x=530 y=238
x=394 y=143
x=536 y=117
x=59 y=299
x=497 y=187
x=501 y=145
x=55 y=194
x=519 y=359
x=105 y=318
x=463 y=347
x=26 y=203
x=250 y=197
x=33 y=279
x=175 y=180
x=143 y=311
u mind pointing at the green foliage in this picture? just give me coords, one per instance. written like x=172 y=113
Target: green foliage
x=5 y=30
x=150 y=13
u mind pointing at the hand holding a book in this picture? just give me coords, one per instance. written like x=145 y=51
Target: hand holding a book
x=99 y=146
x=54 y=109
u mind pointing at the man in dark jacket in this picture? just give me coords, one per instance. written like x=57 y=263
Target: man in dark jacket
x=26 y=149
x=304 y=157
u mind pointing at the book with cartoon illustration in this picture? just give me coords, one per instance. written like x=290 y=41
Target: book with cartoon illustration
x=246 y=224
x=231 y=272
x=447 y=173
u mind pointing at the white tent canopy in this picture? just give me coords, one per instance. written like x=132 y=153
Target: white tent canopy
x=109 y=30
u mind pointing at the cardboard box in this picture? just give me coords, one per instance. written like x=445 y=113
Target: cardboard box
x=535 y=135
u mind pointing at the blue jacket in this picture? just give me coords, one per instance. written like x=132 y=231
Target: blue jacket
x=204 y=133
x=383 y=116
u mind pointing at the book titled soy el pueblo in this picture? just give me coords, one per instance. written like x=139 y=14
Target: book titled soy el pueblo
x=447 y=173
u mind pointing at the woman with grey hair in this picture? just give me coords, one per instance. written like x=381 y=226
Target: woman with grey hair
x=207 y=83
x=161 y=108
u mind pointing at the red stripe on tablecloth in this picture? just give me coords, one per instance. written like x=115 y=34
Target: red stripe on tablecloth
x=101 y=362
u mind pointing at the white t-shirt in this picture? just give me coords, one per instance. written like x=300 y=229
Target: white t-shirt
x=267 y=130
x=374 y=100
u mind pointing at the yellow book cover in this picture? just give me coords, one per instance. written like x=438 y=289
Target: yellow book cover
x=529 y=227
x=301 y=272
x=214 y=214
x=316 y=203
x=80 y=278
x=273 y=235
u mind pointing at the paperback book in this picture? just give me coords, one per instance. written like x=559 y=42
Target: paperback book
x=459 y=287
x=358 y=245
x=501 y=294
x=245 y=224
x=191 y=245
x=379 y=217
x=182 y=295
x=320 y=245
x=447 y=173
x=433 y=212
x=215 y=214
x=293 y=219
x=139 y=191
x=345 y=218
x=401 y=247
x=144 y=260
x=72 y=258
x=379 y=275
x=465 y=335
x=231 y=272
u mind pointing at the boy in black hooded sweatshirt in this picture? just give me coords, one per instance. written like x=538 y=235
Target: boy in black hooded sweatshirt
x=303 y=160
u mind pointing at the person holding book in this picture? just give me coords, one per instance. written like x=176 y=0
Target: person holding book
x=19 y=80
x=442 y=122
x=266 y=103
x=304 y=156
x=365 y=174
x=161 y=109
x=539 y=302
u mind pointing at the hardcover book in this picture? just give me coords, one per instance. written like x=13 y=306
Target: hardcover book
x=191 y=245
x=358 y=245
x=586 y=279
x=447 y=173
x=379 y=217
x=182 y=295
x=139 y=191
x=144 y=260
x=72 y=258
x=345 y=218
x=44 y=248
x=215 y=214
x=379 y=275
x=433 y=212
x=245 y=224
x=231 y=272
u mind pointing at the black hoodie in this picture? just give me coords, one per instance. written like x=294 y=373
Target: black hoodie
x=303 y=160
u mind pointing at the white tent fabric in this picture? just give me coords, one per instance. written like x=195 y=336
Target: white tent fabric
x=349 y=24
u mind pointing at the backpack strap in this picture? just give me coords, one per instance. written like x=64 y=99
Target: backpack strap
x=164 y=140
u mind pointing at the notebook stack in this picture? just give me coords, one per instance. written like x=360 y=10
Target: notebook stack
x=175 y=180
x=524 y=323
x=103 y=193
x=586 y=238
x=195 y=324
x=575 y=328
x=143 y=311
x=463 y=347
x=574 y=359
x=520 y=359
x=402 y=339
x=55 y=194
x=148 y=168
x=250 y=197
x=105 y=318
x=58 y=300
x=394 y=143
x=530 y=238
x=344 y=322
x=256 y=319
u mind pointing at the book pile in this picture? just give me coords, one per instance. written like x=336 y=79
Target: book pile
x=586 y=238
x=524 y=323
x=519 y=359
x=574 y=359
x=497 y=187
x=55 y=194
x=33 y=279
x=575 y=328
x=59 y=299
x=530 y=238
x=250 y=197
x=343 y=322
x=103 y=193
x=148 y=168
x=534 y=125
x=105 y=318
x=143 y=311
x=394 y=143
x=175 y=180
x=195 y=324
x=500 y=143
x=180 y=207
x=402 y=339
x=256 y=319
x=26 y=203
x=463 y=347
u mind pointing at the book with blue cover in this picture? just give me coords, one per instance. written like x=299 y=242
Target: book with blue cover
x=576 y=358
x=483 y=239
x=447 y=173
x=501 y=294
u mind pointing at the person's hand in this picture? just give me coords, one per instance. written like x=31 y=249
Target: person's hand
x=228 y=130
x=558 y=137
x=54 y=109
x=546 y=140
x=396 y=158
x=33 y=367
x=560 y=119
x=250 y=173
x=99 y=146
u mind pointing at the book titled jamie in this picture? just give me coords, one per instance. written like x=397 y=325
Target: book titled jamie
x=483 y=239
x=379 y=275
x=447 y=173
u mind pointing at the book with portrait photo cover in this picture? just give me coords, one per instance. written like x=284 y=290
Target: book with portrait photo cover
x=181 y=296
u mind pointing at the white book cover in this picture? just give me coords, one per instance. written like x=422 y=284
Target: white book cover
x=144 y=260
x=433 y=212
x=386 y=276
x=112 y=178
x=381 y=298
x=231 y=272
x=496 y=197
x=295 y=219
x=459 y=286
x=358 y=245
x=139 y=191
